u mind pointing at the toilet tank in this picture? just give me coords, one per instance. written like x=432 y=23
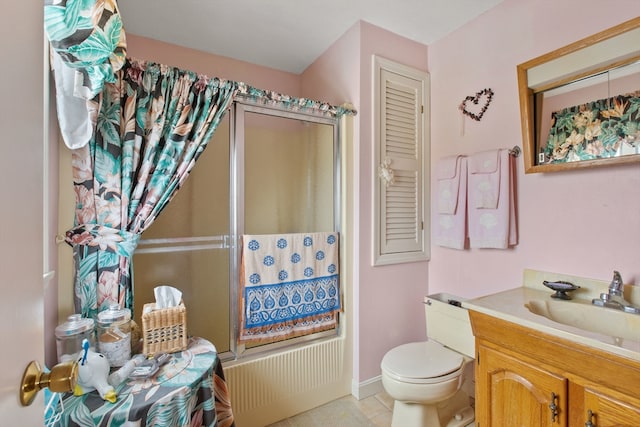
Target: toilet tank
x=448 y=323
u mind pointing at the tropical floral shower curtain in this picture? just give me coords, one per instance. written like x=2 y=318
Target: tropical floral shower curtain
x=153 y=124
x=136 y=129
x=87 y=47
x=598 y=129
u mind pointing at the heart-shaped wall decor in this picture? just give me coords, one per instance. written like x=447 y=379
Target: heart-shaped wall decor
x=483 y=97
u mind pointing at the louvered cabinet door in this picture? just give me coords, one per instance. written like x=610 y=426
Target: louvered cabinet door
x=400 y=151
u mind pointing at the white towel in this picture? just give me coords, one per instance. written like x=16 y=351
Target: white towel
x=76 y=117
x=450 y=229
x=492 y=218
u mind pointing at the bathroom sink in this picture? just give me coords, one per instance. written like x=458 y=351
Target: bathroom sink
x=585 y=316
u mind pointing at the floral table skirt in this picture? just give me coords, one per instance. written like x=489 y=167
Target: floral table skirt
x=189 y=391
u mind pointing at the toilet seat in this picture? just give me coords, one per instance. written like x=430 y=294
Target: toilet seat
x=426 y=362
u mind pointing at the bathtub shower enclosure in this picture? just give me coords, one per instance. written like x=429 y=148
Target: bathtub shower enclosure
x=265 y=171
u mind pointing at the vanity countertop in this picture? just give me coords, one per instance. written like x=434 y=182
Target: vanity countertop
x=509 y=305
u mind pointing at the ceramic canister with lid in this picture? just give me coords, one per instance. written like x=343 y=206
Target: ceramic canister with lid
x=114 y=334
x=70 y=334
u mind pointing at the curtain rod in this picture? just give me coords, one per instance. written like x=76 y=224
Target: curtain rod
x=269 y=97
x=256 y=95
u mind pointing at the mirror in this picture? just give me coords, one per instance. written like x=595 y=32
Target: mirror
x=580 y=104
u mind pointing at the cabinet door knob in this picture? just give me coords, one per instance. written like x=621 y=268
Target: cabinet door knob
x=554 y=407
x=589 y=422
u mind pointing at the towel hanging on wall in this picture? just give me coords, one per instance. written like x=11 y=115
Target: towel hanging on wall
x=289 y=285
x=451 y=216
x=491 y=200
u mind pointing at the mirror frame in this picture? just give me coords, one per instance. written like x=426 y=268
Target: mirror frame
x=526 y=95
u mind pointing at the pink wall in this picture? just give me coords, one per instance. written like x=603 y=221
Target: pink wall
x=213 y=65
x=390 y=297
x=388 y=306
x=584 y=223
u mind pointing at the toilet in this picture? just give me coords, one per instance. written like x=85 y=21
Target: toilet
x=431 y=381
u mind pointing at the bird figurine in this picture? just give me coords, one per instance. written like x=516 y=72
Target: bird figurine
x=93 y=372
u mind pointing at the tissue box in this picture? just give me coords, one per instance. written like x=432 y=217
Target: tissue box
x=163 y=330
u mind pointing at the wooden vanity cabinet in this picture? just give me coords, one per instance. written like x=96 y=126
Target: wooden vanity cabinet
x=527 y=378
x=606 y=410
x=510 y=392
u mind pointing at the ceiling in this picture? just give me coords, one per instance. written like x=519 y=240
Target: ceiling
x=289 y=35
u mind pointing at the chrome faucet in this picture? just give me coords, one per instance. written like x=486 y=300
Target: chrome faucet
x=616 y=285
x=614 y=298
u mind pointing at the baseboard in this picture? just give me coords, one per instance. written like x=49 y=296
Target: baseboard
x=367 y=388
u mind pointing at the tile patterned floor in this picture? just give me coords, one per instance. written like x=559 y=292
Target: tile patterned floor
x=374 y=411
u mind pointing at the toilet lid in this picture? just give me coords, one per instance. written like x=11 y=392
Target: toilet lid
x=421 y=360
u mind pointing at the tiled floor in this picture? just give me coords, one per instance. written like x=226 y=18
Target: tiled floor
x=374 y=411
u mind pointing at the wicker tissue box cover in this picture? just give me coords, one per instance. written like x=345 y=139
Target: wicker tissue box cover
x=164 y=330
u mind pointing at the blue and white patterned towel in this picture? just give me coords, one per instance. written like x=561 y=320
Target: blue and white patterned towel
x=289 y=285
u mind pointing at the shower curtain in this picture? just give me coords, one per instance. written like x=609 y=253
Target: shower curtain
x=153 y=124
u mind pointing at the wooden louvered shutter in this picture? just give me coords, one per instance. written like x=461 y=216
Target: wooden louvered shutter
x=400 y=123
